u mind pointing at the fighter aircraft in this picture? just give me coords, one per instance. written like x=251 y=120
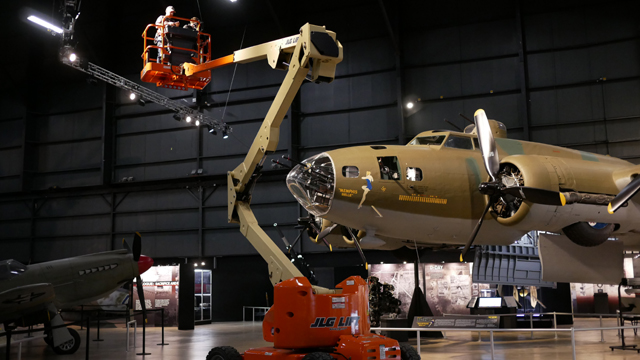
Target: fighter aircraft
x=431 y=193
x=33 y=294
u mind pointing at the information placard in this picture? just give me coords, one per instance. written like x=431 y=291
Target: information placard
x=464 y=322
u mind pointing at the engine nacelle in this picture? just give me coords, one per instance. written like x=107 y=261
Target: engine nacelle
x=523 y=170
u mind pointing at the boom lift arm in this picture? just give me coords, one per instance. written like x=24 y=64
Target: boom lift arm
x=313 y=54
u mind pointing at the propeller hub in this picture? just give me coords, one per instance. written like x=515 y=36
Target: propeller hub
x=144 y=263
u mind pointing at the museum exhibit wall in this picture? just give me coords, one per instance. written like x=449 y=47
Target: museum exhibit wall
x=67 y=144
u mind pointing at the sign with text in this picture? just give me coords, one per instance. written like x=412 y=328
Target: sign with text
x=463 y=322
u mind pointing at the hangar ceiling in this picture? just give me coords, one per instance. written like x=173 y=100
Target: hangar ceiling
x=565 y=74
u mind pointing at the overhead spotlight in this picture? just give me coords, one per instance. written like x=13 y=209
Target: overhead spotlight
x=233 y=0
x=225 y=135
x=404 y=262
x=195 y=264
x=46 y=24
x=202 y=263
x=177 y=117
x=212 y=130
x=141 y=102
x=197 y=122
x=188 y=118
x=132 y=96
x=409 y=105
x=73 y=57
x=381 y=262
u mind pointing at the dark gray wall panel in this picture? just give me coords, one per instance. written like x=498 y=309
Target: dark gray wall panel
x=622 y=98
x=271 y=192
x=276 y=213
x=17 y=249
x=163 y=245
x=251 y=111
x=622 y=130
x=11 y=132
x=220 y=166
x=367 y=55
x=73 y=126
x=232 y=242
x=627 y=150
x=570 y=134
x=15 y=229
x=55 y=157
x=10 y=162
x=166 y=146
x=218 y=100
x=80 y=225
x=486 y=39
x=156 y=200
x=219 y=197
x=157 y=171
x=434 y=82
x=615 y=60
x=161 y=220
x=149 y=123
x=60 y=248
x=67 y=97
x=10 y=185
x=246 y=75
x=240 y=139
x=62 y=180
x=482 y=77
x=432 y=46
x=14 y=210
x=320 y=130
x=217 y=218
x=74 y=206
x=12 y=106
x=348 y=93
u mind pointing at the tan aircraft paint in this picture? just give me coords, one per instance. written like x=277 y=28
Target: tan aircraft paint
x=444 y=206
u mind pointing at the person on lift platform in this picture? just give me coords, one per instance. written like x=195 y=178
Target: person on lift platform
x=161 y=30
x=194 y=24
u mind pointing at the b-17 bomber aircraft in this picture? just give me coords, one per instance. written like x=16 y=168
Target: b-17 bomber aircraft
x=436 y=191
x=33 y=294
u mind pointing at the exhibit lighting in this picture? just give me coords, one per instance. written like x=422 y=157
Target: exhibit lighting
x=188 y=118
x=404 y=262
x=176 y=117
x=196 y=264
x=132 y=96
x=72 y=57
x=197 y=122
x=202 y=263
x=212 y=130
x=225 y=135
x=381 y=262
x=46 y=24
x=409 y=105
x=141 y=102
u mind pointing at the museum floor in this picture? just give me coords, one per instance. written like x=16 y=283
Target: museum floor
x=460 y=345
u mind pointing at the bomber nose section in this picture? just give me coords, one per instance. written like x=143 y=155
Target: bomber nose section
x=312 y=183
x=144 y=263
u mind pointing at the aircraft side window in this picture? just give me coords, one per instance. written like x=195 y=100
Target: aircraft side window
x=458 y=142
x=350 y=171
x=414 y=174
x=389 y=168
x=428 y=140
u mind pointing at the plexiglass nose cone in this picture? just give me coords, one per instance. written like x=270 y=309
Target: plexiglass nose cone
x=144 y=263
x=312 y=183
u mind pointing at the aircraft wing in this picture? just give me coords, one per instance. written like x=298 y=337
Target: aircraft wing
x=24 y=299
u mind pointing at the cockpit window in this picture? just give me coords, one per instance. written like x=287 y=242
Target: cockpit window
x=458 y=142
x=476 y=143
x=428 y=140
x=389 y=168
x=11 y=268
x=350 y=171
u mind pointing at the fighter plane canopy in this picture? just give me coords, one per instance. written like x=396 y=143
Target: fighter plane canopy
x=11 y=268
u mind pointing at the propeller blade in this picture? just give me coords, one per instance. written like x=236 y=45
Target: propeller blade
x=475 y=231
x=535 y=195
x=141 y=297
x=487 y=144
x=137 y=246
x=126 y=245
x=627 y=193
x=357 y=243
x=326 y=231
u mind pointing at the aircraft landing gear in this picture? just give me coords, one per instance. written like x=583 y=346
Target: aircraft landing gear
x=65 y=348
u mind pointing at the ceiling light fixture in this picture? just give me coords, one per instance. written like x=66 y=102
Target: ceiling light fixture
x=188 y=118
x=225 y=135
x=132 y=96
x=46 y=24
x=197 y=122
x=409 y=105
x=73 y=57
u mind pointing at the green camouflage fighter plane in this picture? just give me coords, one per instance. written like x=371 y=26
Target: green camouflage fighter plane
x=436 y=191
x=33 y=294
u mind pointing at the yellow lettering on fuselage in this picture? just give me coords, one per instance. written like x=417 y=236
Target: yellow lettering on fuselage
x=423 y=199
x=348 y=192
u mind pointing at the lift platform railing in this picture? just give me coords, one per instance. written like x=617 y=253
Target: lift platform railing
x=203 y=41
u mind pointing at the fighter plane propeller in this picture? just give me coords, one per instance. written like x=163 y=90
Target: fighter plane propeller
x=502 y=184
x=627 y=193
x=142 y=262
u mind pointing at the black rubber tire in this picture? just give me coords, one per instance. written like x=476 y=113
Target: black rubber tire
x=583 y=234
x=69 y=347
x=407 y=352
x=318 y=355
x=224 y=353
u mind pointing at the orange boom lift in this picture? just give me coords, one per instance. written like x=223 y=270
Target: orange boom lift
x=306 y=322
